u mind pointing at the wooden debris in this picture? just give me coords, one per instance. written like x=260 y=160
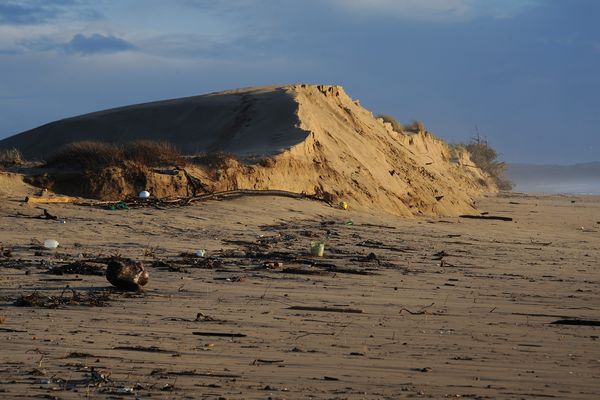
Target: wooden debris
x=49 y=200
x=200 y=317
x=149 y=349
x=47 y=215
x=373 y=244
x=263 y=361
x=162 y=372
x=576 y=321
x=219 y=334
x=327 y=309
x=492 y=217
x=10 y=330
x=422 y=311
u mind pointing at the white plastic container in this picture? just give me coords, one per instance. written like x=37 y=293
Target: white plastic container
x=144 y=194
x=200 y=253
x=50 y=244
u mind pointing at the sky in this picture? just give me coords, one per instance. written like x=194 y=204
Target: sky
x=525 y=74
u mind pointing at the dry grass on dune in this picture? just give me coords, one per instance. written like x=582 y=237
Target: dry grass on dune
x=414 y=127
x=87 y=155
x=90 y=155
x=396 y=125
x=215 y=160
x=10 y=157
x=151 y=153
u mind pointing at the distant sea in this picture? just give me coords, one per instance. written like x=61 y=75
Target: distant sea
x=568 y=179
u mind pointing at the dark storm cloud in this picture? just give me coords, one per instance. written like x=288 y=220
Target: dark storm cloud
x=97 y=43
x=36 y=12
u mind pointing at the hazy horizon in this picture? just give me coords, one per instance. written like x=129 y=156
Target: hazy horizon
x=582 y=178
x=521 y=72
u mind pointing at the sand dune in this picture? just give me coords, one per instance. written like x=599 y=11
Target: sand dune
x=258 y=121
x=318 y=139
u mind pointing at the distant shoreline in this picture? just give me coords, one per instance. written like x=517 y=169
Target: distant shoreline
x=556 y=179
x=557 y=187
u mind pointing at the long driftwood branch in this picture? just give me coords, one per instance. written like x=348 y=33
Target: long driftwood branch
x=250 y=192
x=496 y=217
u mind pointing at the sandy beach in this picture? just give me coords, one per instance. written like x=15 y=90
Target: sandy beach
x=423 y=307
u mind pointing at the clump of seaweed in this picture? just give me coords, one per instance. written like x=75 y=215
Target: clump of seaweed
x=36 y=299
x=78 y=268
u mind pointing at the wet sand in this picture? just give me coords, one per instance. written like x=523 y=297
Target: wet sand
x=445 y=307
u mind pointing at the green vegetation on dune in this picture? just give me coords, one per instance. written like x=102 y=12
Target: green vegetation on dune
x=482 y=154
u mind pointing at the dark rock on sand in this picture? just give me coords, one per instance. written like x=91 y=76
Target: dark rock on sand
x=126 y=274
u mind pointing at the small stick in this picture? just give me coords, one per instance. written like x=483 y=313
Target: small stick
x=420 y=312
x=327 y=309
x=263 y=361
x=493 y=217
x=219 y=334
x=316 y=333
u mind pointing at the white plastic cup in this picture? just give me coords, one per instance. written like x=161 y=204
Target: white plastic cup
x=317 y=249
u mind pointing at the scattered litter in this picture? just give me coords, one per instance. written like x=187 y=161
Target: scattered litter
x=200 y=253
x=167 y=387
x=144 y=194
x=121 y=205
x=343 y=205
x=273 y=265
x=237 y=278
x=317 y=249
x=50 y=244
x=123 y=390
